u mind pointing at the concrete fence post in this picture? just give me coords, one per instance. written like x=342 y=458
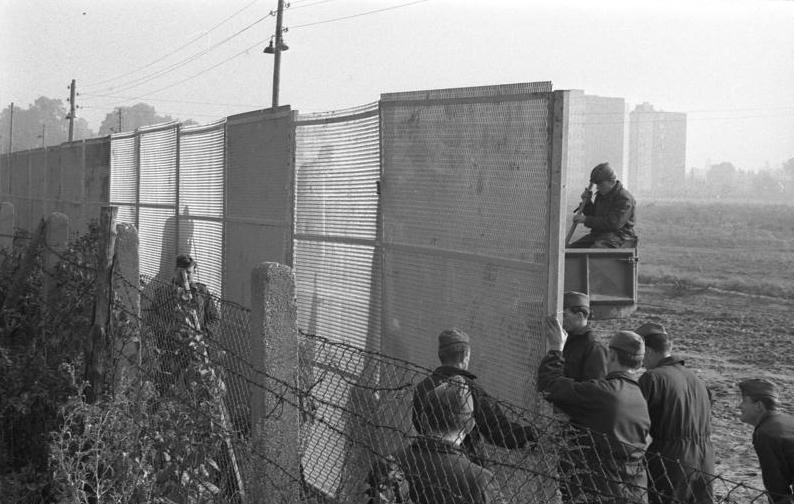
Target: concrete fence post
x=56 y=239
x=6 y=225
x=126 y=284
x=275 y=416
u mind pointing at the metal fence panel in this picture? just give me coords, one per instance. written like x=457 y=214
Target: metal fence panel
x=201 y=192
x=157 y=240
x=96 y=180
x=123 y=170
x=466 y=182
x=336 y=216
x=72 y=165
x=158 y=158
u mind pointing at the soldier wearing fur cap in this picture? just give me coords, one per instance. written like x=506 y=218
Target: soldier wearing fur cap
x=491 y=423
x=681 y=456
x=610 y=216
x=773 y=437
x=607 y=463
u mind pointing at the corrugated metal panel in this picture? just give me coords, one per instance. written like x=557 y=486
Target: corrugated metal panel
x=123 y=169
x=158 y=165
x=157 y=240
x=201 y=161
x=465 y=226
x=337 y=278
x=126 y=213
x=204 y=241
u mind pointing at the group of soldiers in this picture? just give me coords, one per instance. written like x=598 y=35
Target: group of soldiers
x=629 y=436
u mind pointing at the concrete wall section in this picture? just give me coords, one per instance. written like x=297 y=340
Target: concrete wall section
x=259 y=196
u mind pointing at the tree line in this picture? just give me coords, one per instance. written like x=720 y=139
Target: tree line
x=45 y=123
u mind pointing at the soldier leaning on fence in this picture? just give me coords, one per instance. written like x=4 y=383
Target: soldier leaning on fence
x=681 y=456
x=434 y=469
x=773 y=437
x=492 y=425
x=183 y=314
x=585 y=358
x=607 y=465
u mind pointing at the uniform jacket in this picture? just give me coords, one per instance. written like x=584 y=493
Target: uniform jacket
x=613 y=418
x=612 y=212
x=492 y=425
x=431 y=471
x=585 y=358
x=679 y=405
x=773 y=439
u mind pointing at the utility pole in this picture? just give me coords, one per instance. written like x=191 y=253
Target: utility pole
x=71 y=110
x=119 y=111
x=43 y=133
x=277 y=54
x=11 y=129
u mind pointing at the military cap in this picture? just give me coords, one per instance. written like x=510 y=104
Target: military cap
x=629 y=342
x=184 y=261
x=650 y=328
x=572 y=299
x=450 y=337
x=757 y=388
x=602 y=173
x=449 y=405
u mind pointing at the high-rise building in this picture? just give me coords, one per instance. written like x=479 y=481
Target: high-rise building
x=657 y=151
x=596 y=134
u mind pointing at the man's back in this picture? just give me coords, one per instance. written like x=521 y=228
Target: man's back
x=679 y=406
x=438 y=473
x=585 y=358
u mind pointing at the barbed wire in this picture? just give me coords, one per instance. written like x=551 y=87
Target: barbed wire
x=358 y=397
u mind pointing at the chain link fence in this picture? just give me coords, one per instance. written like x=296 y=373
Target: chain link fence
x=180 y=427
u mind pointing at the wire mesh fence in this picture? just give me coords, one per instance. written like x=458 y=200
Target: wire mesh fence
x=183 y=428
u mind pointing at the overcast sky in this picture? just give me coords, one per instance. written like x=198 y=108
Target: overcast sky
x=728 y=64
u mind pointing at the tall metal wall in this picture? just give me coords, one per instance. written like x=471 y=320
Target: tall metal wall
x=168 y=181
x=471 y=227
x=337 y=280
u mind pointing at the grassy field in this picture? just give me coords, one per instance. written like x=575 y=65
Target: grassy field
x=744 y=248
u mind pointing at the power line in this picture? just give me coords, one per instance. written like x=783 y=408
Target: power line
x=357 y=15
x=189 y=102
x=258 y=43
x=290 y=7
x=154 y=75
x=196 y=38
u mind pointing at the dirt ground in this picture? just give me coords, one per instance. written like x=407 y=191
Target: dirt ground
x=724 y=337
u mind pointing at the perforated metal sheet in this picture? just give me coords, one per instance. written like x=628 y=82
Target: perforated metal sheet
x=337 y=278
x=466 y=181
x=158 y=165
x=123 y=169
x=157 y=240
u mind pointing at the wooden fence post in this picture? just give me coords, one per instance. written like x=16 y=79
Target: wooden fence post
x=99 y=352
x=56 y=239
x=6 y=225
x=126 y=284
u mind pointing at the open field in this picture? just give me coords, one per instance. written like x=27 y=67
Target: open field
x=721 y=279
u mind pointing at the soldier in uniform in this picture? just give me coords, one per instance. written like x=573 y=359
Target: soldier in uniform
x=681 y=456
x=610 y=216
x=183 y=315
x=585 y=358
x=492 y=425
x=611 y=415
x=773 y=437
x=434 y=469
